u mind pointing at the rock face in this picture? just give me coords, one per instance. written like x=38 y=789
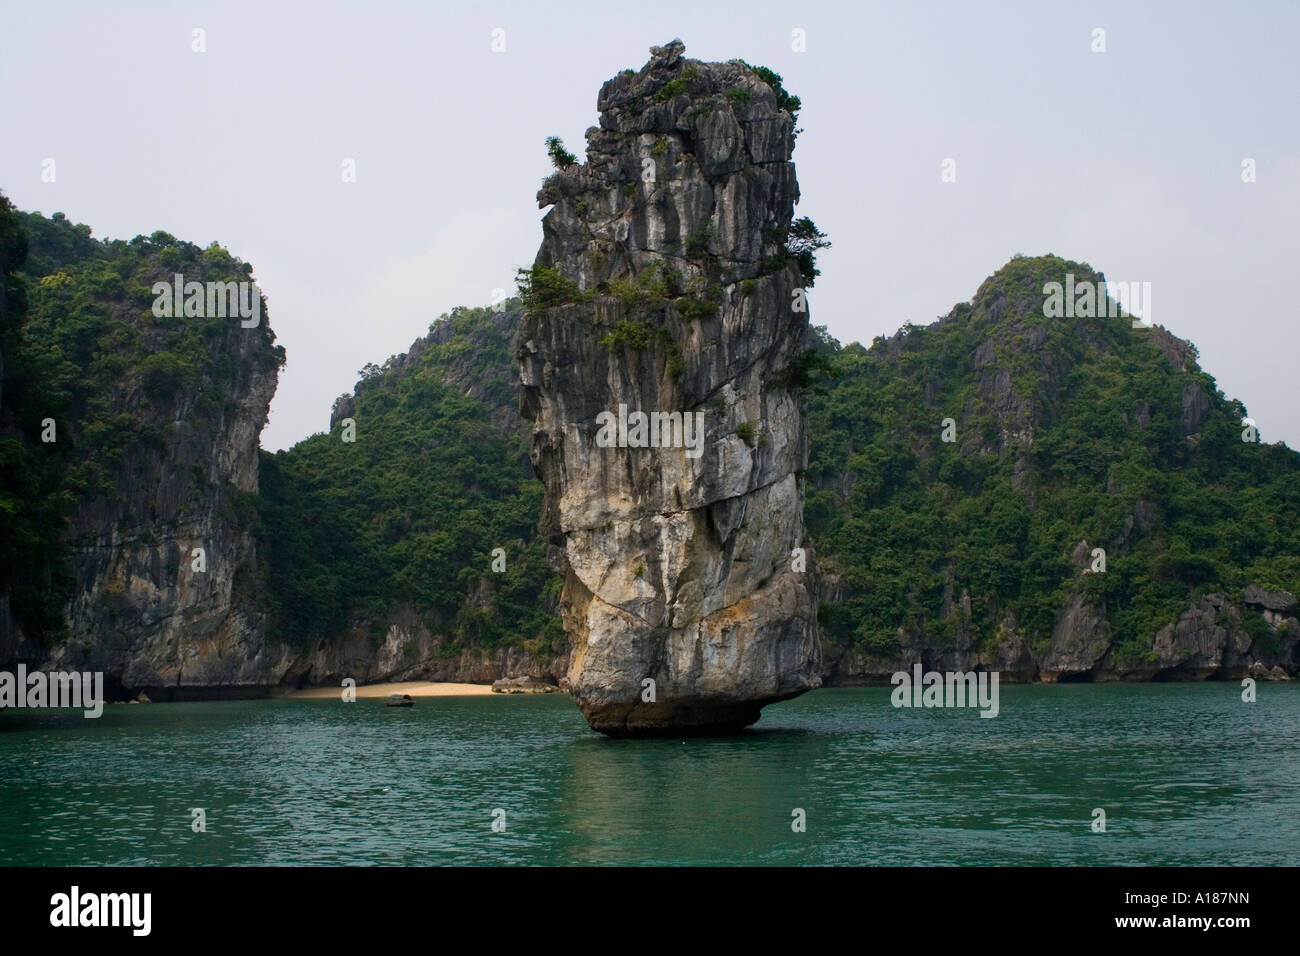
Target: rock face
x=687 y=606
x=1210 y=640
x=523 y=685
x=409 y=651
x=166 y=598
x=143 y=609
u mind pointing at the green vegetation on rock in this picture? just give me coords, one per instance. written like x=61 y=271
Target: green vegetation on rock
x=1086 y=437
x=791 y=104
x=34 y=502
x=128 y=396
x=561 y=158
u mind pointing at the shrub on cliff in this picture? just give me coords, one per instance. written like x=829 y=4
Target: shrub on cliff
x=786 y=101
x=803 y=242
x=541 y=287
x=561 y=158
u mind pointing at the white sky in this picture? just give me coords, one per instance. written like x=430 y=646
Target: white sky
x=1129 y=160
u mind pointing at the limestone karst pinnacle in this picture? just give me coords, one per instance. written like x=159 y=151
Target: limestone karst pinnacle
x=662 y=288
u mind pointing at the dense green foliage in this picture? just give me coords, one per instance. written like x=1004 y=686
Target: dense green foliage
x=410 y=512
x=110 y=362
x=34 y=572
x=897 y=512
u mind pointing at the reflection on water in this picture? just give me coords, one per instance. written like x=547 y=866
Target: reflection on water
x=1185 y=773
x=711 y=800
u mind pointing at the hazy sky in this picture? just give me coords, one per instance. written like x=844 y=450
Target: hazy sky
x=1129 y=160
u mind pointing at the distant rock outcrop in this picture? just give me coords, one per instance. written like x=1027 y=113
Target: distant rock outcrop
x=1077 y=440
x=662 y=287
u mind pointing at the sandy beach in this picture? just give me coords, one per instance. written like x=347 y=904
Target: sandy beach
x=414 y=688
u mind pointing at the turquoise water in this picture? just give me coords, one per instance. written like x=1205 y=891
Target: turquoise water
x=1187 y=774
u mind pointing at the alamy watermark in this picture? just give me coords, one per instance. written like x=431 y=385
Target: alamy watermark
x=75 y=908
x=952 y=689
x=82 y=690
x=212 y=300
x=654 y=430
x=1098 y=300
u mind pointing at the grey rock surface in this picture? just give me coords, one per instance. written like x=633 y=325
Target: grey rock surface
x=523 y=685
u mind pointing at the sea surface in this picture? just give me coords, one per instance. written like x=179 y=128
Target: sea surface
x=1186 y=774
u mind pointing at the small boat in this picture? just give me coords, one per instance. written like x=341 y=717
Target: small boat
x=400 y=700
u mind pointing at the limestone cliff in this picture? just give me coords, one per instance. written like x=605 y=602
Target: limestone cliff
x=145 y=607
x=157 y=420
x=661 y=287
